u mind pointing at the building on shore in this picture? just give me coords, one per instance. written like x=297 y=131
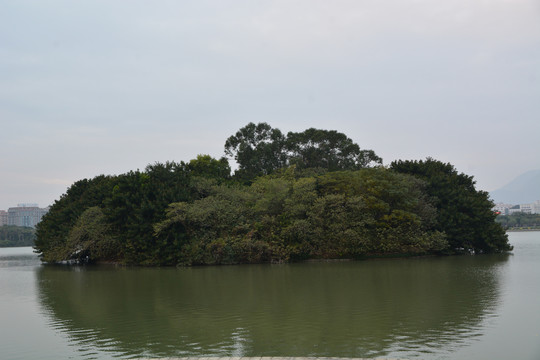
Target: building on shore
x=508 y=209
x=502 y=209
x=535 y=207
x=27 y=215
x=3 y=217
x=532 y=208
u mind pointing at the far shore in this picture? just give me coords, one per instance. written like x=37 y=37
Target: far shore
x=522 y=229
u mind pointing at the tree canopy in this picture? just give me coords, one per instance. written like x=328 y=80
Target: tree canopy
x=313 y=194
x=519 y=220
x=464 y=214
x=351 y=214
x=14 y=236
x=260 y=149
x=331 y=150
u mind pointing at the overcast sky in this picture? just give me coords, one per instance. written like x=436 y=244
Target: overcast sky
x=103 y=87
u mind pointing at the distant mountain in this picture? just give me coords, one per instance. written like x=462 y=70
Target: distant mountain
x=522 y=190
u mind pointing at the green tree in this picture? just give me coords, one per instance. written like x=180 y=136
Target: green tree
x=327 y=149
x=258 y=149
x=14 y=236
x=397 y=215
x=215 y=226
x=208 y=167
x=261 y=150
x=90 y=238
x=518 y=220
x=54 y=227
x=282 y=217
x=138 y=201
x=131 y=204
x=464 y=214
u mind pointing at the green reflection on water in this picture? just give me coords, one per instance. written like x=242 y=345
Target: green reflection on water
x=400 y=307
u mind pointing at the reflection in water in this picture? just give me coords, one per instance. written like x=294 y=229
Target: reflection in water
x=405 y=308
x=17 y=258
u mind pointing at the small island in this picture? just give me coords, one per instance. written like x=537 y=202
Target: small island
x=309 y=195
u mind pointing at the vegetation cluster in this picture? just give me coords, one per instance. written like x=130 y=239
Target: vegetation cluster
x=313 y=194
x=519 y=221
x=16 y=236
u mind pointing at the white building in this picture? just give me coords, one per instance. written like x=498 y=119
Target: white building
x=503 y=209
x=535 y=207
x=508 y=209
x=25 y=215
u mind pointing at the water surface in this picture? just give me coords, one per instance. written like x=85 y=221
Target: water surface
x=481 y=307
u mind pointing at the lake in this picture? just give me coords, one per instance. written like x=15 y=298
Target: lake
x=463 y=307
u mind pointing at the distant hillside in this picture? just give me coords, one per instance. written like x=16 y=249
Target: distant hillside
x=522 y=190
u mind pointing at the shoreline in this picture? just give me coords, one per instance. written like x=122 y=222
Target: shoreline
x=305 y=261
x=521 y=230
x=266 y=358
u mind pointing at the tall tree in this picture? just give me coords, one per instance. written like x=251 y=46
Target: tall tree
x=258 y=149
x=327 y=149
x=261 y=150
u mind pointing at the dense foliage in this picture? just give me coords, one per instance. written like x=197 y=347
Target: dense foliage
x=346 y=214
x=464 y=214
x=14 y=236
x=129 y=206
x=305 y=195
x=519 y=221
x=261 y=150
